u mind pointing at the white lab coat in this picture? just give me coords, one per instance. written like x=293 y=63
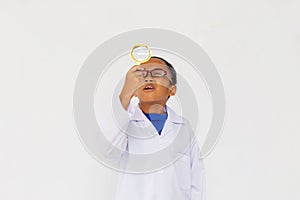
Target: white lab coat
x=180 y=180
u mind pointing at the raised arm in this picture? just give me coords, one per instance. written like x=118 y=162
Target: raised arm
x=132 y=81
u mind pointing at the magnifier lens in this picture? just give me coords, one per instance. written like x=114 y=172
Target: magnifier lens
x=140 y=53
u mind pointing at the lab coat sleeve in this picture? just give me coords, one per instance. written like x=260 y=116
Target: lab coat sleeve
x=117 y=143
x=198 y=189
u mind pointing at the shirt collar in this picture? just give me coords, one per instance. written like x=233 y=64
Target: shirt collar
x=138 y=115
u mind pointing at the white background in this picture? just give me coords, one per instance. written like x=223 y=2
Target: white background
x=254 y=44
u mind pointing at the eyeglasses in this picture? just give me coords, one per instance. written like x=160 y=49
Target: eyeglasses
x=157 y=72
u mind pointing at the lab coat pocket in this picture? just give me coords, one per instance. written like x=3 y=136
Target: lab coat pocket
x=183 y=171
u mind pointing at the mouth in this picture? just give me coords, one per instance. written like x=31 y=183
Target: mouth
x=149 y=88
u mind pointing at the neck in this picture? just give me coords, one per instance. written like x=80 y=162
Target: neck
x=152 y=108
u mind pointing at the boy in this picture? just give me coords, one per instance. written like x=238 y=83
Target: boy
x=153 y=83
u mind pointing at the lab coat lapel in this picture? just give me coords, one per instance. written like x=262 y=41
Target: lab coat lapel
x=172 y=123
x=140 y=126
x=144 y=127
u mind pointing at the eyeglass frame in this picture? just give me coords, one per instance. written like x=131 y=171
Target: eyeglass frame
x=150 y=71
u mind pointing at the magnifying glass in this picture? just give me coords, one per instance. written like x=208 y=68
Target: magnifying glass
x=140 y=53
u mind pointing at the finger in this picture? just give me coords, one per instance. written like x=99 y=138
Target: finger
x=134 y=68
x=138 y=73
x=138 y=68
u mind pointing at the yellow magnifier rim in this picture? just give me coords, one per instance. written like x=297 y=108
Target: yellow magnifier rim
x=137 y=61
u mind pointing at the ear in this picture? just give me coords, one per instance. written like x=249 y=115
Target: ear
x=172 y=90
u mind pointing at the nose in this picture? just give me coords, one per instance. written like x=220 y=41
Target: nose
x=148 y=79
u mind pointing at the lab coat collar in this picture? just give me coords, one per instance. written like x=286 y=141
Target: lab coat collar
x=138 y=115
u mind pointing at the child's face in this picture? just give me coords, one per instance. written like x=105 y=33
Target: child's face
x=155 y=90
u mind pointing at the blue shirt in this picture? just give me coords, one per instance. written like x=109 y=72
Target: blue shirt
x=158 y=120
